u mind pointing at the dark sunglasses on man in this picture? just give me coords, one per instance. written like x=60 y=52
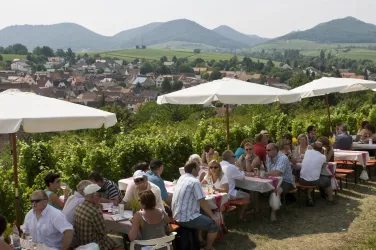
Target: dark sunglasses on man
x=139 y=180
x=37 y=200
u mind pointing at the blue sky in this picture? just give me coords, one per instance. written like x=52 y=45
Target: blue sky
x=268 y=18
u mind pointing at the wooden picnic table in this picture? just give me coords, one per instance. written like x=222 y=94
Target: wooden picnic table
x=353 y=156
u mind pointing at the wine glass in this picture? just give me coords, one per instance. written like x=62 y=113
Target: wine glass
x=30 y=242
x=63 y=185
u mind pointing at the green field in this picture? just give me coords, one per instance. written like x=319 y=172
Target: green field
x=156 y=54
x=309 y=48
x=10 y=57
x=306 y=45
x=355 y=54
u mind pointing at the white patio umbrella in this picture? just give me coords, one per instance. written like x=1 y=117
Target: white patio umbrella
x=328 y=85
x=38 y=114
x=229 y=91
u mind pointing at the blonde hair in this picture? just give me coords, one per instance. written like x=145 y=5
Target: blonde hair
x=244 y=142
x=302 y=136
x=210 y=175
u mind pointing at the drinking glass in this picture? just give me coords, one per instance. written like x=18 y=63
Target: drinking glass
x=63 y=185
x=210 y=188
x=255 y=170
x=121 y=209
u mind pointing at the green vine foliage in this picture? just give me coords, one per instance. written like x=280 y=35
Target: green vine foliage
x=170 y=133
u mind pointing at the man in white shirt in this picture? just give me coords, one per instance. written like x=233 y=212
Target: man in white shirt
x=233 y=173
x=46 y=224
x=310 y=173
x=142 y=184
x=74 y=200
x=187 y=200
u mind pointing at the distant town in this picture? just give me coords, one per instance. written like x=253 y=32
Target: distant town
x=102 y=82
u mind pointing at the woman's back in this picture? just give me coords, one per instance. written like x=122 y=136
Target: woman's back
x=153 y=225
x=48 y=192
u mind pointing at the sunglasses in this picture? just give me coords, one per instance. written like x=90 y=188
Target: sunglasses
x=214 y=167
x=248 y=149
x=139 y=180
x=268 y=150
x=37 y=200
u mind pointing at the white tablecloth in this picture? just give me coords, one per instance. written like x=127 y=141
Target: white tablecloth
x=117 y=226
x=251 y=183
x=25 y=244
x=257 y=184
x=346 y=155
x=170 y=189
x=365 y=146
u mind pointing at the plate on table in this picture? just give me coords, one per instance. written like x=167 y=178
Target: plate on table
x=106 y=206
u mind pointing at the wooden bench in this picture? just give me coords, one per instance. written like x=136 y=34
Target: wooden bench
x=344 y=171
x=291 y=191
x=240 y=202
x=341 y=177
x=301 y=187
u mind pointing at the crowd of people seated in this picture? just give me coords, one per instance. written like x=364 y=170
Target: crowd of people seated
x=67 y=221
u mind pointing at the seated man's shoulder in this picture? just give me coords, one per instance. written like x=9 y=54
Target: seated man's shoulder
x=154 y=186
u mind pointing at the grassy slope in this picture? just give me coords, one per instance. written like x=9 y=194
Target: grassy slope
x=348 y=225
x=305 y=45
x=156 y=54
x=355 y=54
x=313 y=48
x=10 y=57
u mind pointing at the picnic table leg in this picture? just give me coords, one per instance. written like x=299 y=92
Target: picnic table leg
x=355 y=173
x=255 y=198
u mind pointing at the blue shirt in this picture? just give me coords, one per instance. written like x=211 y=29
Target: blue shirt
x=239 y=152
x=282 y=164
x=157 y=180
x=343 y=142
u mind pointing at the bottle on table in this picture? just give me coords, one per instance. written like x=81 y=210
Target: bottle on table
x=16 y=241
x=262 y=170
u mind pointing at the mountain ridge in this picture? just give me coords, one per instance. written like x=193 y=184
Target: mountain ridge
x=233 y=34
x=341 y=30
x=79 y=38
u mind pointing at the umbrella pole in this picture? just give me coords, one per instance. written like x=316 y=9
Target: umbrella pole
x=327 y=107
x=15 y=173
x=228 y=127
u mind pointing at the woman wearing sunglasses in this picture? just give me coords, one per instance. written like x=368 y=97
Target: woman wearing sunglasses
x=219 y=181
x=216 y=178
x=249 y=160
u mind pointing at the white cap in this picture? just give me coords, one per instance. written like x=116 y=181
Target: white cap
x=264 y=132
x=92 y=188
x=139 y=174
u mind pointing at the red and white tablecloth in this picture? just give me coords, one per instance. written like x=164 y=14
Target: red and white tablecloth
x=347 y=155
x=256 y=184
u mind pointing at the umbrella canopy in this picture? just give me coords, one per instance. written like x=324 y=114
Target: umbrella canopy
x=327 y=85
x=229 y=91
x=42 y=114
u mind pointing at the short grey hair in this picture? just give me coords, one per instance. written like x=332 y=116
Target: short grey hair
x=195 y=157
x=227 y=155
x=82 y=185
x=275 y=146
x=41 y=193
